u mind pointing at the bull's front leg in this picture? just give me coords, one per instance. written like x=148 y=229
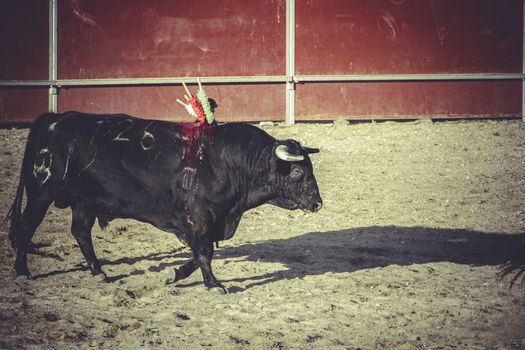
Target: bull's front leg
x=203 y=252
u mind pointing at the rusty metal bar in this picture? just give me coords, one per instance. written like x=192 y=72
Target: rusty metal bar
x=290 y=61
x=144 y=81
x=271 y=79
x=523 y=65
x=53 y=69
x=408 y=77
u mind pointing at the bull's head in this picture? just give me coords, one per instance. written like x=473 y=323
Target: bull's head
x=295 y=181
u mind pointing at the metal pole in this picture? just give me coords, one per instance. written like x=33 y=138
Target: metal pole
x=523 y=66
x=268 y=79
x=290 y=61
x=147 y=81
x=408 y=77
x=53 y=76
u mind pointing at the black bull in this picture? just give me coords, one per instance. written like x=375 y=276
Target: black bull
x=195 y=181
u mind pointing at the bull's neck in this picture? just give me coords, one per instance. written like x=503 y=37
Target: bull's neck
x=257 y=177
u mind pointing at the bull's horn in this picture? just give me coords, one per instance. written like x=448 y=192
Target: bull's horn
x=282 y=153
x=310 y=150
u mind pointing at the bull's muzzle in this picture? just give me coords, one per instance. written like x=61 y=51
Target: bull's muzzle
x=312 y=208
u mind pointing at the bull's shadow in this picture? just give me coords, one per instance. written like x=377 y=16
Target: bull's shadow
x=354 y=249
x=317 y=253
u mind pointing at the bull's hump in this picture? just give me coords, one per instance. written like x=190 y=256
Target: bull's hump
x=244 y=133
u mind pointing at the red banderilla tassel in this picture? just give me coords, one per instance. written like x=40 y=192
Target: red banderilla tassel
x=197 y=108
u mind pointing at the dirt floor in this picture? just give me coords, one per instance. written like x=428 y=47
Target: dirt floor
x=417 y=218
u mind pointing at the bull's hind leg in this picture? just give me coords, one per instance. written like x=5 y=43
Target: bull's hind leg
x=82 y=222
x=24 y=230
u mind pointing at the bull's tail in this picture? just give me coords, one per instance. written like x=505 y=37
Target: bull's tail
x=515 y=268
x=15 y=213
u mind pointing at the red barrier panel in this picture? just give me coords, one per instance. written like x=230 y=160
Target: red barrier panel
x=404 y=37
x=23 y=39
x=235 y=102
x=409 y=36
x=158 y=38
x=22 y=105
x=100 y=39
x=409 y=100
x=23 y=56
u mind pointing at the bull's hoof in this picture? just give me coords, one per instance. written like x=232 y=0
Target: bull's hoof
x=172 y=277
x=218 y=290
x=101 y=277
x=22 y=273
x=23 y=277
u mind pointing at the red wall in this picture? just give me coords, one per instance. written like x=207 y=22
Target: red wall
x=23 y=56
x=158 y=38
x=409 y=100
x=409 y=36
x=161 y=38
x=235 y=102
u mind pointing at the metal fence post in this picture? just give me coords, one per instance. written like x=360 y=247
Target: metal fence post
x=523 y=66
x=53 y=76
x=290 y=61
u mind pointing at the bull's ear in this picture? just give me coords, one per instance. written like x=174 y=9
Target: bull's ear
x=309 y=150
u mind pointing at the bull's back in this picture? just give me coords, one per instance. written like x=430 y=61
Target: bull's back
x=119 y=162
x=109 y=160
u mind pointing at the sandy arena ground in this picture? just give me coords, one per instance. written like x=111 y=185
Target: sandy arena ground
x=417 y=217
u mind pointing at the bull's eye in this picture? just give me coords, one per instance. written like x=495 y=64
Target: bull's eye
x=296 y=173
